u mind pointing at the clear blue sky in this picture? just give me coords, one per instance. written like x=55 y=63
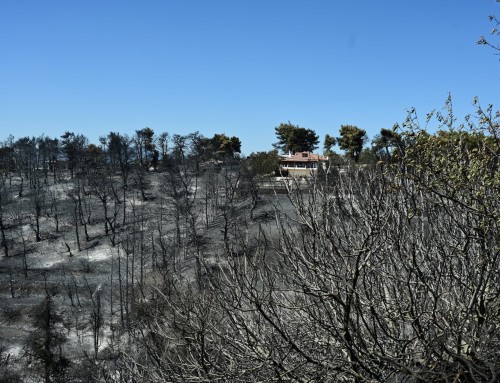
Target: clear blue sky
x=238 y=67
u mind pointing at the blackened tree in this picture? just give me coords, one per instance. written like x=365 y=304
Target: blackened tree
x=74 y=146
x=4 y=196
x=49 y=152
x=145 y=146
x=119 y=149
x=44 y=346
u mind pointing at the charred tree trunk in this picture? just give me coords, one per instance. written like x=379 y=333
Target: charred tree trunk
x=4 y=238
x=75 y=211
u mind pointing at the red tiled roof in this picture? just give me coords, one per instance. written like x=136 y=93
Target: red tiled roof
x=304 y=157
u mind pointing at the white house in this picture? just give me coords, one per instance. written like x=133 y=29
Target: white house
x=301 y=164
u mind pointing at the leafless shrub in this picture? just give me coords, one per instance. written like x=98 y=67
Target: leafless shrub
x=10 y=312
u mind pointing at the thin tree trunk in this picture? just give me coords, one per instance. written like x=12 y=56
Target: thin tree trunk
x=124 y=205
x=25 y=257
x=76 y=228
x=120 y=288
x=37 y=221
x=11 y=281
x=4 y=238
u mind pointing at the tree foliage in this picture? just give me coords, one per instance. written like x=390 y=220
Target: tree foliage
x=329 y=142
x=264 y=163
x=389 y=144
x=219 y=146
x=457 y=162
x=293 y=138
x=226 y=146
x=351 y=140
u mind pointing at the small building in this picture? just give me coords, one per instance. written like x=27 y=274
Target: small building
x=302 y=164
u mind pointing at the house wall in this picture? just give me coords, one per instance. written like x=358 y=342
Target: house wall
x=299 y=172
x=299 y=165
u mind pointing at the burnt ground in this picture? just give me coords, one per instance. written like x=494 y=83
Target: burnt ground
x=73 y=278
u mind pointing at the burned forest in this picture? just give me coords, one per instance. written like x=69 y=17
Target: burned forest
x=159 y=258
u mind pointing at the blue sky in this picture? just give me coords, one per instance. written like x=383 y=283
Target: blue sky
x=238 y=67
